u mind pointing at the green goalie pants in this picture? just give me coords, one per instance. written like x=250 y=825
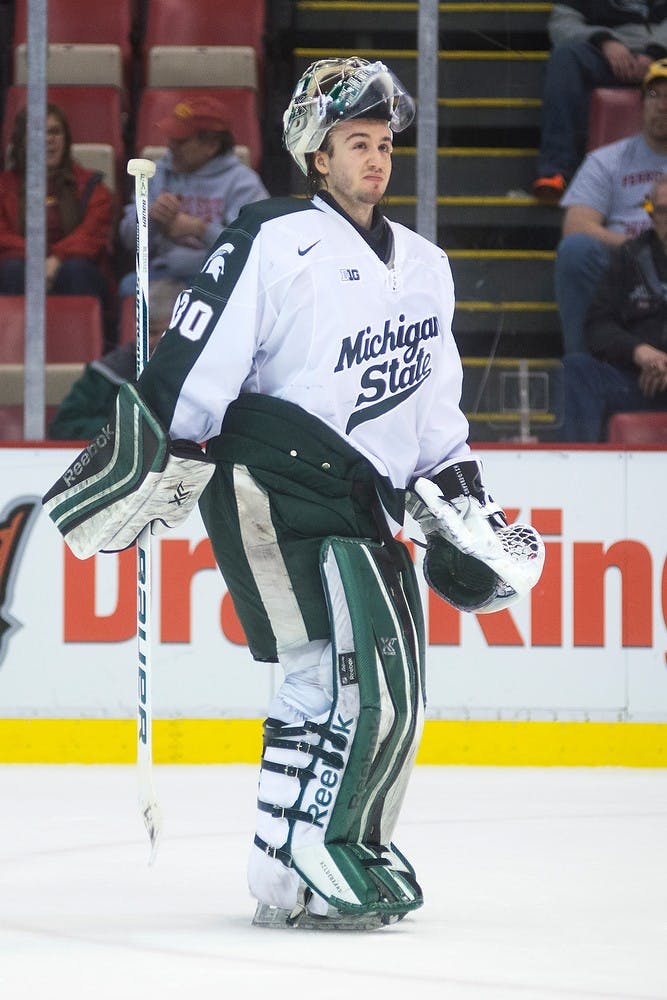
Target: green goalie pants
x=284 y=482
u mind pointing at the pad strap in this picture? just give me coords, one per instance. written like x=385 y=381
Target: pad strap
x=279 y=853
x=285 y=812
x=302 y=773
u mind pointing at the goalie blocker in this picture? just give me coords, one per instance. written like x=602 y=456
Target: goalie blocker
x=130 y=475
x=473 y=559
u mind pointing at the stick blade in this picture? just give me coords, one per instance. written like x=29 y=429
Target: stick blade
x=152 y=815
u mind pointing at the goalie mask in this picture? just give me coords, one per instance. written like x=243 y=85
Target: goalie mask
x=335 y=90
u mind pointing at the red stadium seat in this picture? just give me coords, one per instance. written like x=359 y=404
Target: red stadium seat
x=11 y=421
x=75 y=21
x=205 y=22
x=201 y=66
x=638 y=428
x=73 y=337
x=615 y=113
x=73 y=328
x=77 y=64
x=94 y=115
x=241 y=102
x=127 y=326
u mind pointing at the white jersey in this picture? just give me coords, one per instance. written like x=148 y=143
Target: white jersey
x=293 y=303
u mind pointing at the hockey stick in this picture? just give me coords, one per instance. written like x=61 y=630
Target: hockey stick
x=142 y=170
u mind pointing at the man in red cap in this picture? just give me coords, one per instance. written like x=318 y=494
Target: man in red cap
x=199 y=188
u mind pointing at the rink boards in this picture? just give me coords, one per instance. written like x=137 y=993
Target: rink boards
x=575 y=675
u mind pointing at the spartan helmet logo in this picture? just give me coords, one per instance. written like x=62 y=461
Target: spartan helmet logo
x=215 y=265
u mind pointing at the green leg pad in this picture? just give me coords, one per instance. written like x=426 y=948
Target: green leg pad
x=346 y=854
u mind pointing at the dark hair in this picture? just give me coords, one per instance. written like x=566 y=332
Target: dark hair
x=62 y=177
x=18 y=152
x=315 y=181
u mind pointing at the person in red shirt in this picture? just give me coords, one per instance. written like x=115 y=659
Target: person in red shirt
x=79 y=217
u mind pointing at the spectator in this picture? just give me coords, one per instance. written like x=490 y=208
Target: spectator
x=90 y=401
x=604 y=207
x=626 y=330
x=606 y=43
x=199 y=188
x=79 y=217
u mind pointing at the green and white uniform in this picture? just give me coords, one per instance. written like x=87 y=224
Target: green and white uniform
x=293 y=304
x=324 y=378
x=315 y=360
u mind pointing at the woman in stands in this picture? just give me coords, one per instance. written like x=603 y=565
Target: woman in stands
x=79 y=217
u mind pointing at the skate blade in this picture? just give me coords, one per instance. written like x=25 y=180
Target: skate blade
x=334 y=920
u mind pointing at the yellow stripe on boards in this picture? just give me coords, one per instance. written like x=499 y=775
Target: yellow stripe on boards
x=621 y=744
x=239 y=741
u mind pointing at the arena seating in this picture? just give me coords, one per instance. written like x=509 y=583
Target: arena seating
x=75 y=64
x=73 y=337
x=94 y=114
x=73 y=328
x=72 y=22
x=204 y=22
x=638 y=428
x=98 y=156
x=241 y=102
x=202 y=66
x=615 y=112
x=127 y=323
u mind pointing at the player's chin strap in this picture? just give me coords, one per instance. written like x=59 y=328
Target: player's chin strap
x=331 y=788
x=473 y=560
x=129 y=476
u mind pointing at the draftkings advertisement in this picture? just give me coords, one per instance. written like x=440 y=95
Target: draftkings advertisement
x=589 y=644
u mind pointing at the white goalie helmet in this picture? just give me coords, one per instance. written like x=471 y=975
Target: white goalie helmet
x=335 y=90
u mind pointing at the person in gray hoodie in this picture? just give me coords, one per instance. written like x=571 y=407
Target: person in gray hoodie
x=199 y=187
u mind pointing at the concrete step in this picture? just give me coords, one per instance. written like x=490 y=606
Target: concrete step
x=485 y=316
x=462 y=170
x=520 y=212
x=502 y=275
x=496 y=113
x=506 y=299
x=462 y=73
x=469 y=170
x=513 y=398
x=507 y=19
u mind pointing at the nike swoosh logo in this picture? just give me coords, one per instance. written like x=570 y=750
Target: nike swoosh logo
x=302 y=253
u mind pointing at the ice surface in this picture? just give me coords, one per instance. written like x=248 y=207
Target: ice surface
x=539 y=883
